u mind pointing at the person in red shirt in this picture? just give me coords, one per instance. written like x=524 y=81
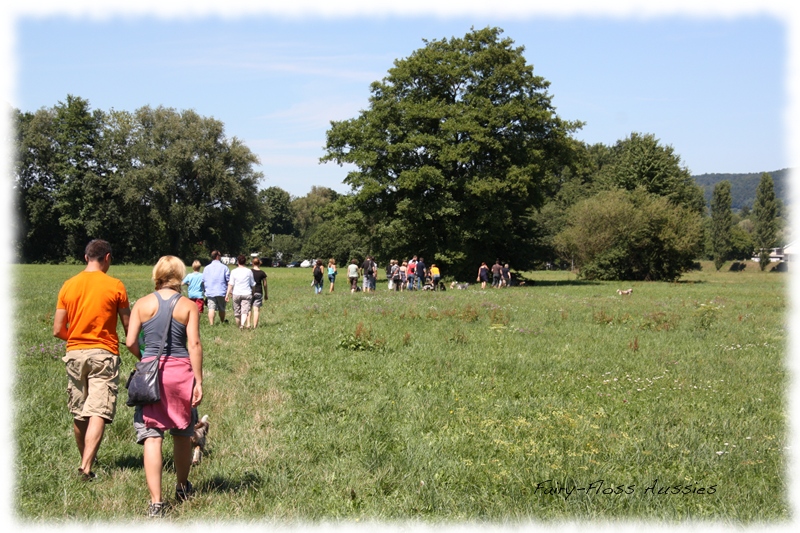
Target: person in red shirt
x=86 y=317
x=411 y=272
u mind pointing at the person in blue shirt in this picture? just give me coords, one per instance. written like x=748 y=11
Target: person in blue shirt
x=194 y=285
x=215 y=278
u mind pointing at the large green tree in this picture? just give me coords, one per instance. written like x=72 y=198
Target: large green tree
x=190 y=182
x=338 y=234
x=453 y=153
x=83 y=194
x=311 y=210
x=765 y=211
x=66 y=181
x=641 y=161
x=721 y=223
x=39 y=236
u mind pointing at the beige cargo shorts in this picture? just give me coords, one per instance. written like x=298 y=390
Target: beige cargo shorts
x=93 y=383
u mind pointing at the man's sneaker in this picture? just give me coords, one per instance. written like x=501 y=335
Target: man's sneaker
x=156 y=510
x=83 y=476
x=183 y=491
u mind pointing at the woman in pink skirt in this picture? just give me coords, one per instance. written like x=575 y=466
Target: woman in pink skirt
x=181 y=374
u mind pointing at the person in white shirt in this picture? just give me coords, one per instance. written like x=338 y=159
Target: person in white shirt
x=241 y=287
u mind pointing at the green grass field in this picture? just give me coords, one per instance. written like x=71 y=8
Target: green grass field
x=560 y=400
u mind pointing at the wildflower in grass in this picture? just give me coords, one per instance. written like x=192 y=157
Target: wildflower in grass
x=54 y=349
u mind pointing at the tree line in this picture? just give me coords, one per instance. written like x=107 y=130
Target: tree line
x=151 y=182
x=459 y=156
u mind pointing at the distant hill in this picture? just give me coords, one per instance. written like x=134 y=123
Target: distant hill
x=743 y=186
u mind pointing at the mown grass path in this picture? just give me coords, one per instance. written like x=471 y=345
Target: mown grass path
x=560 y=400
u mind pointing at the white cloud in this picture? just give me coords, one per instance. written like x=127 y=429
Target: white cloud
x=314 y=114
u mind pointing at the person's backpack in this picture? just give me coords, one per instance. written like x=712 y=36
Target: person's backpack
x=395 y=273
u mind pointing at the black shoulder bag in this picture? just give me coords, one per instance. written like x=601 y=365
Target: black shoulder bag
x=144 y=384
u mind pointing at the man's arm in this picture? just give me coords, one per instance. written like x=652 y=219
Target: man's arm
x=60 y=325
x=125 y=318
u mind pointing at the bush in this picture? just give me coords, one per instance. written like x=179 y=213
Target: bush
x=620 y=235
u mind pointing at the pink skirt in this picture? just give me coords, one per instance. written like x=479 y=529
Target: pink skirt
x=174 y=411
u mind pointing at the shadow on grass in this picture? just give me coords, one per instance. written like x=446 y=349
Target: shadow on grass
x=533 y=283
x=132 y=462
x=135 y=461
x=579 y=283
x=219 y=484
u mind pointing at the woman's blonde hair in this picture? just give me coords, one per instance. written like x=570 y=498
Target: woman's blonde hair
x=169 y=273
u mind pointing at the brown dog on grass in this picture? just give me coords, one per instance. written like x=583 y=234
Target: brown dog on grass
x=199 y=440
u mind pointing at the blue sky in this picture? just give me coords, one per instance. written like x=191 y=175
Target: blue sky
x=713 y=87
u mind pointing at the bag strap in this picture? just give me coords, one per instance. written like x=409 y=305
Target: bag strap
x=173 y=301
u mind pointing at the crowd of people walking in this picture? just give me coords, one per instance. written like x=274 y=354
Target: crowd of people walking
x=165 y=325
x=246 y=288
x=407 y=275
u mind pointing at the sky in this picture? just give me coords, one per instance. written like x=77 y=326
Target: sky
x=713 y=88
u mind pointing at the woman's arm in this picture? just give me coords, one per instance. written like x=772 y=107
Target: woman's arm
x=228 y=292
x=195 y=349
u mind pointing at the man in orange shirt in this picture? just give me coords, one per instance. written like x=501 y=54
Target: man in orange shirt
x=86 y=317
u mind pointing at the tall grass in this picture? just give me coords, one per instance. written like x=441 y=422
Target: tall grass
x=559 y=400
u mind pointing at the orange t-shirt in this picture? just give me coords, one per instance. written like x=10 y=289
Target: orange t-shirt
x=92 y=301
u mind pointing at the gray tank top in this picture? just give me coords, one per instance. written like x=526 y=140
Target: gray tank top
x=154 y=330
